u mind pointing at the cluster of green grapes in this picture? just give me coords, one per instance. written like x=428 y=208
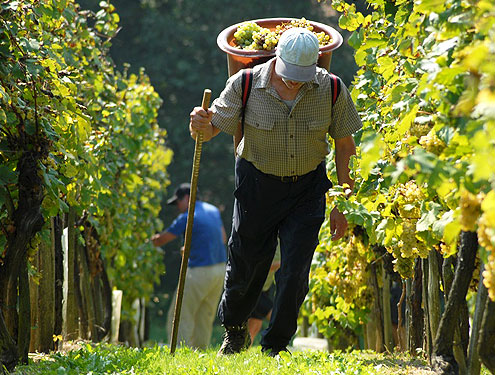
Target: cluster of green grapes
x=410 y=246
x=302 y=22
x=408 y=200
x=345 y=270
x=489 y=276
x=403 y=266
x=251 y=36
x=244 y=35
x=323 y=38
x=264 y=39
x=432 y=143
x=470 y=205
x=419 y=129
x=353 y=275
x=407 y=249
x=486 y=238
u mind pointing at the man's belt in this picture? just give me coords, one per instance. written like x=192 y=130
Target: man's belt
x=286 y=179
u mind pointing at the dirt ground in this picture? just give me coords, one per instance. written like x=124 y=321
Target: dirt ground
x=397 y=364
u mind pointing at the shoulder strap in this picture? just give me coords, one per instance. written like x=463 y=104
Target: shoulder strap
x=247 y=82
x=335 y=84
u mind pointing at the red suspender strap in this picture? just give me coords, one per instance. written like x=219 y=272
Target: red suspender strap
x=335 y=83
x=247 y=77
x=247 y=81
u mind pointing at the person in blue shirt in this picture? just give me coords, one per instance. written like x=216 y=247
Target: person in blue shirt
x=206 y=268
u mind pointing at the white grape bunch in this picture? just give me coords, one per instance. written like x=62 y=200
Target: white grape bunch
x=251 y=36
x=486 y=238
x=470 y=205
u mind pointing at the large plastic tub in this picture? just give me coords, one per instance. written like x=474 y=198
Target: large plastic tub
x=238 y=59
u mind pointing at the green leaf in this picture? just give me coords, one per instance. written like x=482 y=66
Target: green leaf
x=445 y=46
x=63 y=206
x=390 y=9
x=7 y=175
x=356 y=39
x=11 y=5
x=33 y=68
x=360 y=57
x=30 y=44
x=385 y=232
x=440 y=224
x=428 y=217
x=3 y=117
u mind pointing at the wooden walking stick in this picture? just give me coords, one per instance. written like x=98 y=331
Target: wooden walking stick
x=188 y=235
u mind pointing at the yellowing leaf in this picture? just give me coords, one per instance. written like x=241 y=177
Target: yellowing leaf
x=472 y=57
x=360 y=56
x=406 y=122
x=451 y=232
x=371 y=151
x=386 y=67
x=485 y=104
x=445 y=188
x=429 y=6
x=83 y=128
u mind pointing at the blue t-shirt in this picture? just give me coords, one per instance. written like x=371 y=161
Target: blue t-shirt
x=207 y=246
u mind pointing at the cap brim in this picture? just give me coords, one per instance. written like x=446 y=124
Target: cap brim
x=294 y=72
x=172 y=200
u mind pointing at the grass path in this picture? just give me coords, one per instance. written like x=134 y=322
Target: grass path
x=111 y=359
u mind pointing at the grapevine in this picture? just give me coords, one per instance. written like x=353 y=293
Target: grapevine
x=101 y=151
x=251 y=36
x=425 y=95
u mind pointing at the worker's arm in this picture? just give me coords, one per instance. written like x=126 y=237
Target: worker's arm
x=344 y=149
x=163 y=238
x=200 y=121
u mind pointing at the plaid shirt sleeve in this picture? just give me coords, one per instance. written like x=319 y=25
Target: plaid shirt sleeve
x=345 y=119
x=227 y=107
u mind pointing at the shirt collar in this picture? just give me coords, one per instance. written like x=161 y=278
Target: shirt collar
x=266 y=73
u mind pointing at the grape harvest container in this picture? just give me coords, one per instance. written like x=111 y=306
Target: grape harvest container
x=238 y=59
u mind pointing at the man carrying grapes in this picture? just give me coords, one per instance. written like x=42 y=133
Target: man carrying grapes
x=280 y=181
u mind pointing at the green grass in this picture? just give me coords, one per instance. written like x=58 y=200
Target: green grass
x=111 y=359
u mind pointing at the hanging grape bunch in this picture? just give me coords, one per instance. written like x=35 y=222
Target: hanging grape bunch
x=251 y=36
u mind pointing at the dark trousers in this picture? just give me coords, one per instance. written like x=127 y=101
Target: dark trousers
x=265 y=208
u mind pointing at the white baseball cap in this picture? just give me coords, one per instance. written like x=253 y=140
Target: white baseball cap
x=297 y=54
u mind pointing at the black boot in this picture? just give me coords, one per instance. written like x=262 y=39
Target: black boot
x=235 y=339
x=274 y=352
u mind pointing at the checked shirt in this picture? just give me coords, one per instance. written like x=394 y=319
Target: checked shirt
x=279 y=140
